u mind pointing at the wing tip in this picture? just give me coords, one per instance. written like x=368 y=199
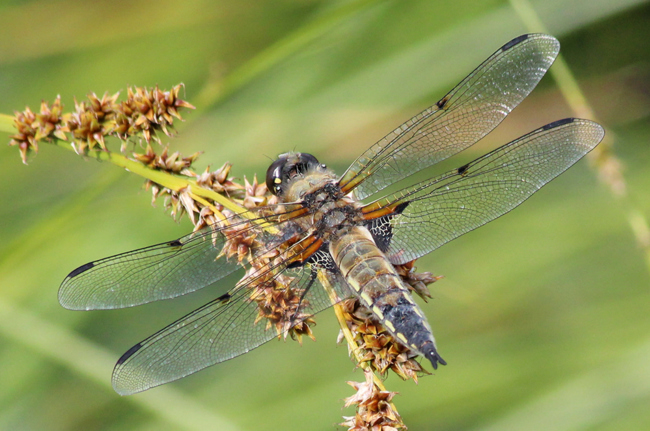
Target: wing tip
x=589 y=123
x=533 y=36
x=65 y=296
x=118 y=385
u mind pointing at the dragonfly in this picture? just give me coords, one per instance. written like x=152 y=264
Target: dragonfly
x=332 y=237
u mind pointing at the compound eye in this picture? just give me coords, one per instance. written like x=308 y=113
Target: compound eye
x=274 y=175
x=286 y=168
x=307 y=161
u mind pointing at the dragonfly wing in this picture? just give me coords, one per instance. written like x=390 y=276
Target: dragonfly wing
x=162 y=271
x=438 y=210
x=220 y=330
x=466 y=114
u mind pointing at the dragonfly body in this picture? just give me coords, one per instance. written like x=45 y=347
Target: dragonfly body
x=339 y=228
x=340 y=235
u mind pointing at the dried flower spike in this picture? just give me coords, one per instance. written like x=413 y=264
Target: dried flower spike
x=143 y=114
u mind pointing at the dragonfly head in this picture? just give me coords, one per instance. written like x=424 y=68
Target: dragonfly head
x=289 y=169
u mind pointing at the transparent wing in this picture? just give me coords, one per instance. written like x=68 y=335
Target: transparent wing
x=467 y=113
x=221 y=330
x=438 y=210
x=162 y=271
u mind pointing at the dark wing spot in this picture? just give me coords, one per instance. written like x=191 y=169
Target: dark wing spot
x=515 y=41
x=442 y=102
x=82 y=268
x=463 y=169
x=128 y=354
x=297 y=264
x=175 y=243
x=224 y=298
x=399 y=209
x=558 y=123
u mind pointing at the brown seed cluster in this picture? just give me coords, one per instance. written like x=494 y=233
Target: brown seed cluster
x=374 y=409
x=220 y=182
x=416 y=281
x=35 y=127
x=171 y=163
x=178 y=202
x=377 y=347
x=147 y=112
x=144 y=113
x=280 y=306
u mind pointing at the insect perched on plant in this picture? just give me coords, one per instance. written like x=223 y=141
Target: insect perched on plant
x=321 y=242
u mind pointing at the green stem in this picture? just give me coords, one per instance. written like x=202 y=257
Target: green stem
x=7 y=123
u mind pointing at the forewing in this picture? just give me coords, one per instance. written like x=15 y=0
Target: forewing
x=436 y=211
x=162 y=271
x=222 y=329
x=466 y=114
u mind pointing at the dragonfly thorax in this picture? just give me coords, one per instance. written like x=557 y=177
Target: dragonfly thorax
x=300 y=178
x=330 y=212
x=335 y=218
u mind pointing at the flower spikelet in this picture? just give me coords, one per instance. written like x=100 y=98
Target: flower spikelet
x=25 y=139
x=416 y=281
x=171 y=163
x=374 y=409
x=256 y=194
x=86 y=128
x=35 y=127
x=240 y=240
x=149 y=111
x=220 y=182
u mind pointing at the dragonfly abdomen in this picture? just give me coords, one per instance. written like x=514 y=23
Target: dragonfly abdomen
x=378 y=286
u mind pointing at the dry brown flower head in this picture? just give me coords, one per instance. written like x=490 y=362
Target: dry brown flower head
x=374 y=409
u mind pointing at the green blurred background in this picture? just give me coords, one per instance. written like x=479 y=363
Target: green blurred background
x=543 y=315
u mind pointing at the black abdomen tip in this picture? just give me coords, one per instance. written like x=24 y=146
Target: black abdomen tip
x=435 y=359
